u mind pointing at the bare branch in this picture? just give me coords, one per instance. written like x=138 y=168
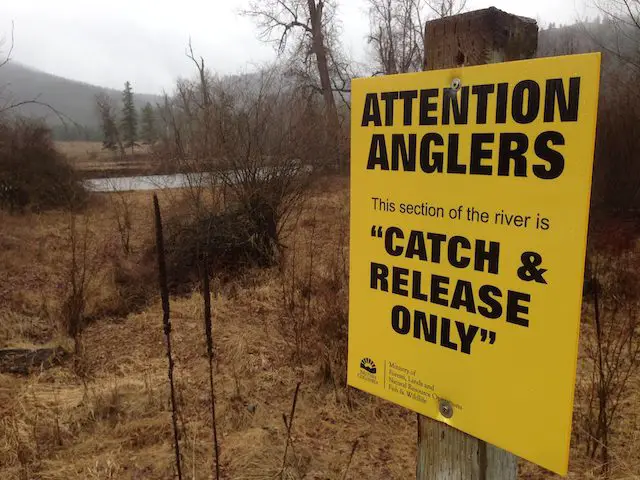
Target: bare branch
x=624 y=21
x=397 y=34
x=8 y=57
x=634 y=18
x=313 y=27
x=61 y=116
x=274 y=16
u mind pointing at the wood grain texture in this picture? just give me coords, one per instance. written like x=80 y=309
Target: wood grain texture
x=445 y=453
x=477 y=38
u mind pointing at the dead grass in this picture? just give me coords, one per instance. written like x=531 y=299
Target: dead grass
x=80 y=149
x=35 y=254
x=90 y=160
x=114 y=422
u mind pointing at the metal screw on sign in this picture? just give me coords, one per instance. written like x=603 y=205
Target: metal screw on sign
x=456 y=84
x=446 y=409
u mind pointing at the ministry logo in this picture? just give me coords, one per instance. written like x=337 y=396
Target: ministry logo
x=368 y=370
x=368 y=365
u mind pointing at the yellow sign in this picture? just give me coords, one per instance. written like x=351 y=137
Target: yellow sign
x=469 y=209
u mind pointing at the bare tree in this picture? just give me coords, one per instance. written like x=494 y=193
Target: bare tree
x=266 y=144
x=626 y=12
x=395 y=35
x=188 y=133
x=622 y=17
x=5 y=102
x=204 y=104
x=446 y=8
x=616 y=186
x=263 y=143
x=7 y=57
x=307 y=30
x=397 y=31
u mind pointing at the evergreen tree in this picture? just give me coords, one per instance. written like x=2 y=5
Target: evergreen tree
x=110 y=133
x=149 y=133
x=129 y=125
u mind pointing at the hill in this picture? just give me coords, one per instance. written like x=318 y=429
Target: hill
x=74 y=99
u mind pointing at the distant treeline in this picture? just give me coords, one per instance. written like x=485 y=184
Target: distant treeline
x=616 y=177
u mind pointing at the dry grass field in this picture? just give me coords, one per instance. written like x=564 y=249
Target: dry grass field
x=92 y=161
x=105 y=414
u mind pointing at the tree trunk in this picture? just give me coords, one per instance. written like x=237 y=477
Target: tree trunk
x=331 y=111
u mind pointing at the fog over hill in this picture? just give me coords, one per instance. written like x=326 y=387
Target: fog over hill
x=76 y=100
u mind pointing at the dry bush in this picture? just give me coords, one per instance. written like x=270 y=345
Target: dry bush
x=98 y=279
x=610 y=342
x=246 y=144
x=315 y=295
x=226 y=242
x=32 y=172
x=332 y=297
x=121 y=211
x=80 y=271
x=135 y=286
x=122 y=279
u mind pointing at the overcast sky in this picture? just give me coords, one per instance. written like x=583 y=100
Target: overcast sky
x=106 y=42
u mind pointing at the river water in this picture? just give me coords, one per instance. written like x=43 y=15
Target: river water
x=146 y=182
x=181 y=180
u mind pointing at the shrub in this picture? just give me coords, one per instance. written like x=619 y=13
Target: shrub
x=611 y=346
x=135 y=285
x=240 y=237
x=32 y=173
x=315 y=292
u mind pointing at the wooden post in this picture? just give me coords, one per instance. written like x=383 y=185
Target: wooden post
x=477 y=38
x=474 y=38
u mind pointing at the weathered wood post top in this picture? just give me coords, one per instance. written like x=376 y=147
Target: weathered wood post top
x=479 y=37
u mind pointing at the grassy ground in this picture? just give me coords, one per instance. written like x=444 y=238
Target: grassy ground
x=104 y=414
x=92 y=161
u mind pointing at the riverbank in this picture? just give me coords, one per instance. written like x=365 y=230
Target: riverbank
x=91 y=161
